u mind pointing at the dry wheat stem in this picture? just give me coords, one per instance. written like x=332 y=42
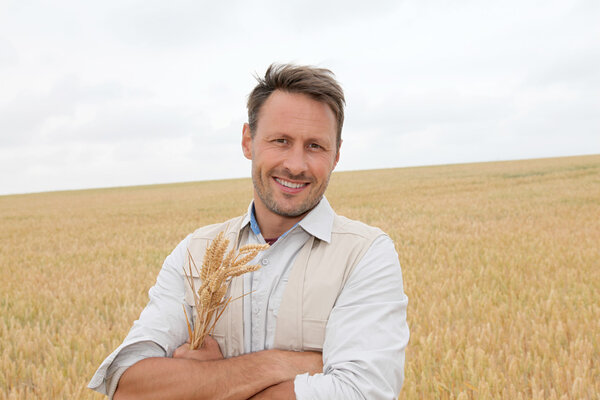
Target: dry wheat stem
x=218 y=269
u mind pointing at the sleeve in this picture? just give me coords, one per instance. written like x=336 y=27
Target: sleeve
x=161 y=323
x=128 y=356
x=366 y=335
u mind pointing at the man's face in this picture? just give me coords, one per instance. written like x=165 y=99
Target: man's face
x=293 y=153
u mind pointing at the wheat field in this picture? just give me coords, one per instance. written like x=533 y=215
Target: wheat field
x=501 y=264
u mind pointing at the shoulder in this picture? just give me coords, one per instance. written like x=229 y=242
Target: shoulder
x=210 y=231
x=349 y=227
x=351 y=239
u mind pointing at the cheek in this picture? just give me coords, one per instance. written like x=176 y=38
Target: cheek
x=273 y=157
x=323 y=164
x=266 y=160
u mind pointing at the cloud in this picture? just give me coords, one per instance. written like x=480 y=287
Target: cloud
x=134 y=92
x=25 y=118
x=8 y=54
x=181 y=23
x=117 y=123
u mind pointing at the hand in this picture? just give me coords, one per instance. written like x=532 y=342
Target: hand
x=282 y=391
x=210 y=351
x=295 y=363
x=302 y=361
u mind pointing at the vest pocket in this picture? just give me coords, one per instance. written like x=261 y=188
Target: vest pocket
x=313 y=334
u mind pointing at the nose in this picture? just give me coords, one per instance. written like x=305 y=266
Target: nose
x=295 y=160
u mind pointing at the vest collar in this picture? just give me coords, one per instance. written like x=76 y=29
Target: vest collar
x=318 y=222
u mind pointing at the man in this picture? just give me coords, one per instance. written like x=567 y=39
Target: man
x=325 y=317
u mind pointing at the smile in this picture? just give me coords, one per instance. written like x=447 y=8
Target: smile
x=289 y=184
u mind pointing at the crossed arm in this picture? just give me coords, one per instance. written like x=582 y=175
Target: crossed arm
x=358 y=363
x=205 y=374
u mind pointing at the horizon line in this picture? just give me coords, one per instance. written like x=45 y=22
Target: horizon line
x=248 y=177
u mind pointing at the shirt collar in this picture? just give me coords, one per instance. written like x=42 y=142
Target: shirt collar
x=250 y=219
x=318 y=222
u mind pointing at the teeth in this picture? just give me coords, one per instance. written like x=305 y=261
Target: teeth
x=290 y=184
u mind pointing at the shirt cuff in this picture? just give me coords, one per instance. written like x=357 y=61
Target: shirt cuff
x=106 y=377
x=302 y=387
x=113 y=380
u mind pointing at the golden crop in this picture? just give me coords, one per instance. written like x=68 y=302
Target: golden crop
x=216 y=272
x=501 y=264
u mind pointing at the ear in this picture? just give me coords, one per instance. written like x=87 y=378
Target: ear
x=247 y=141
x=337 y=155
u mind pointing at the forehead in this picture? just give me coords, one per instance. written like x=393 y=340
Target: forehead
x=285 y=111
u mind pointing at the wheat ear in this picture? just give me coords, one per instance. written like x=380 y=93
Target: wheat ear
x=218 y=269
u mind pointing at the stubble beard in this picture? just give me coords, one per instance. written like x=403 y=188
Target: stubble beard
x=265 y=193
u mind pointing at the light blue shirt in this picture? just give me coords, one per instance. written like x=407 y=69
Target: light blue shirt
x=266 y=286
x=366 y=334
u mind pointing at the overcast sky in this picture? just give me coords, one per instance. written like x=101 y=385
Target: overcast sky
x=112 y=93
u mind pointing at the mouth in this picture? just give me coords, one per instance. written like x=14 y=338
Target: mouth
x=289 y=186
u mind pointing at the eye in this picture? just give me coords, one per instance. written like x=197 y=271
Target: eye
x=280 y=140
x=315 y=146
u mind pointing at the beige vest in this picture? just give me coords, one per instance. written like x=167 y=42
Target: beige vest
x=318 y=276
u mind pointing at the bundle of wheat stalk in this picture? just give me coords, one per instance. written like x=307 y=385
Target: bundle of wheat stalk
x=217 y=271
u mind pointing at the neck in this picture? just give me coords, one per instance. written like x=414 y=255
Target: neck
x=273 y=225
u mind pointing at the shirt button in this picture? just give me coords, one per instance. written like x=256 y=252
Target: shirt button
x=265 y=261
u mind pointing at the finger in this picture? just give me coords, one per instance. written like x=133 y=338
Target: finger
x=209 y=339
x=181 y=350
